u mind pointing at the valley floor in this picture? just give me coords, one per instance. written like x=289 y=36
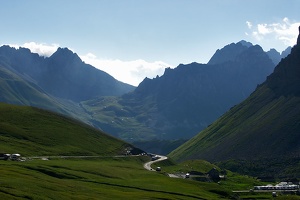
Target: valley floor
x=112 y=178
x=94 y=178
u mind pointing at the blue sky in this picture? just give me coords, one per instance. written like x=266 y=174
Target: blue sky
x=132 y=39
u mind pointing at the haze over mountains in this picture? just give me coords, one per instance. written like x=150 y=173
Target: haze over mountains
x=176 y=105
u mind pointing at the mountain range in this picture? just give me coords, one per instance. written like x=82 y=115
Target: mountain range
x=176 y=105
x=186 y=99
x=261 y=133
x=63 y=74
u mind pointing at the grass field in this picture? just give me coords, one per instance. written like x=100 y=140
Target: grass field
x=112 y=178
x=35 y=132
x=106 y=178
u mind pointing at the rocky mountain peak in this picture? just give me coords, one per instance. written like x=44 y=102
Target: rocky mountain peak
x=229 y=52
x=64 y=55
x=245 y=43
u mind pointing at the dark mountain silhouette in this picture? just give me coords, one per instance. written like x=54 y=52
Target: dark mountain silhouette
x=264 y=128
x=186 y=99
x=63 y=74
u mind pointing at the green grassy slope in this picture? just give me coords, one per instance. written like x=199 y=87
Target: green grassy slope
x=116 y=178
x=261 y=126
x=119 y=119
x=106 y=178
x=32 y=131
x=265 y=125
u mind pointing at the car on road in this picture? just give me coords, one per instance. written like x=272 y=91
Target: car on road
x=156 y=157
x=187 y=175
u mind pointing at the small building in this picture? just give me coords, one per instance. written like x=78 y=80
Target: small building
x=214 y=174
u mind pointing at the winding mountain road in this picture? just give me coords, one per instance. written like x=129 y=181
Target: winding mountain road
x=147 y=165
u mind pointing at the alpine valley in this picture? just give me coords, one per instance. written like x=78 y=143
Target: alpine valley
x=169 y=109
x=239 y=115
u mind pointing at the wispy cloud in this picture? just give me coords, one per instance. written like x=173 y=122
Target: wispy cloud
x=285 y=31
x=249 y=24
x=41 y=48
x=132 y=72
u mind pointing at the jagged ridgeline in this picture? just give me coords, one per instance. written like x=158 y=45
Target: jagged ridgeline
x=264 y=126
x=36 y=132
x=62 y=75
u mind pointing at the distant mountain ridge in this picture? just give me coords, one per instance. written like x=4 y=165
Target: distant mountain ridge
x=231 y=51
x=63 y=74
